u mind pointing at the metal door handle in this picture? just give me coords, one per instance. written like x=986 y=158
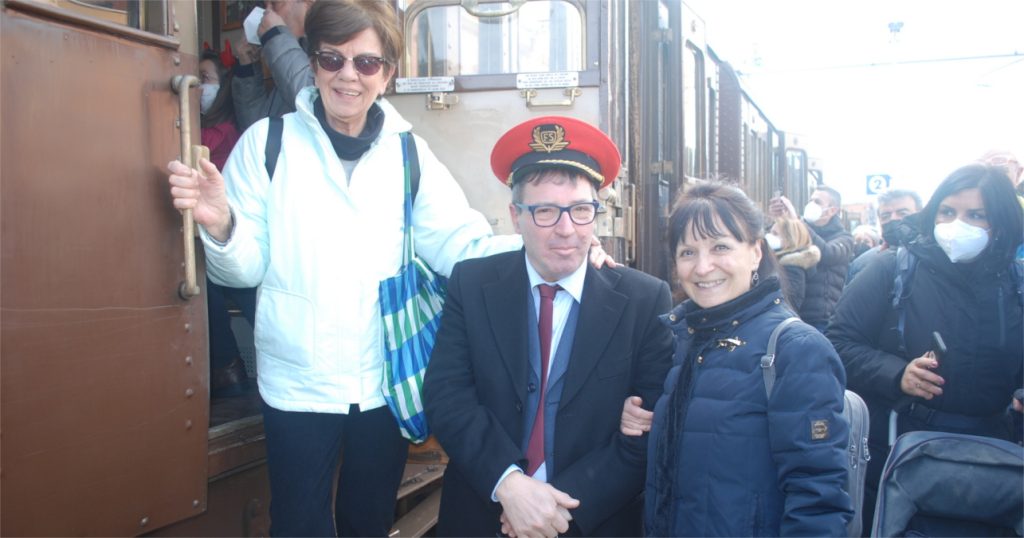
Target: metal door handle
x=180 y=84
x=532 y=102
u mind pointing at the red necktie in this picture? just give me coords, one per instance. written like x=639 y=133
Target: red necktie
x=535 y=448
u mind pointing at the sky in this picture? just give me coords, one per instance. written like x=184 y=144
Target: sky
x=865 y=99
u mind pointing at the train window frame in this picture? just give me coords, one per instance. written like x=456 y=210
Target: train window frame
x=694 y=112
x=588 y=75
x=155 y=17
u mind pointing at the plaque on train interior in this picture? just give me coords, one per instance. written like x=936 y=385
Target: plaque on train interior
x=424 y=84
x=563 y=79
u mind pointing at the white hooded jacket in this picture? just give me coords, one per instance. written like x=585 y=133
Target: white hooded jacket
x=318 y=242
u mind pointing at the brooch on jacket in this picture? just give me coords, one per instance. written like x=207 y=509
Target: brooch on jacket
x=730 y=343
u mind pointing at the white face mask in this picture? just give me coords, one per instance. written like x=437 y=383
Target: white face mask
x=774 y=241
x=208 y=96
x=960 y=241
x=812 y=212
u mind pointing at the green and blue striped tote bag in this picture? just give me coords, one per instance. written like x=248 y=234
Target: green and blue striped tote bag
x=411 y=304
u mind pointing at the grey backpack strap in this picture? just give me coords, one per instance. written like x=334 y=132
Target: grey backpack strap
x=768 y=360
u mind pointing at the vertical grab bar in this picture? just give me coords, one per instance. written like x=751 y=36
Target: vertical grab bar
x=180 y=84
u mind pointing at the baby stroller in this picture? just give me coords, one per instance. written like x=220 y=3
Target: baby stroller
x=946 y=484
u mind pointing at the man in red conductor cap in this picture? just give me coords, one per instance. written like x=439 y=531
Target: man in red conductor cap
x=536 y=352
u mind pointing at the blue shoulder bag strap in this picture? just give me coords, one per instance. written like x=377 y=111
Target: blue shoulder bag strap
x=1017 y=273
x=906 y=264
x=768 y=359
x=273 y=147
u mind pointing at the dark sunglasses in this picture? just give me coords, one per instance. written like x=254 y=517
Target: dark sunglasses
x=365 y=65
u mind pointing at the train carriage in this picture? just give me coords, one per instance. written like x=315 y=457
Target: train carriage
x=106 y=420
x=641 y=71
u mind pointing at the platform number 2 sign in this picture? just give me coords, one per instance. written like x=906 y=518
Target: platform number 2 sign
x=878 y=183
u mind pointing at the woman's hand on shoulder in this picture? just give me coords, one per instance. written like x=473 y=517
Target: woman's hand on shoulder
x=598 y=257
x=203 y=192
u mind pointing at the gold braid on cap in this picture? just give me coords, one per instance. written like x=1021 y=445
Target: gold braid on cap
x=594 y=174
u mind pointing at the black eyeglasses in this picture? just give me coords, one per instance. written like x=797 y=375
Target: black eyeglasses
x=366 y=65
x=547 y=215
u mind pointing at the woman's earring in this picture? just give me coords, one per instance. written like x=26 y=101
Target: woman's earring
x=754 y=277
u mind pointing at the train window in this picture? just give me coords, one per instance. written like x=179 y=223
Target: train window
x=693 y=106
x=148 y=15
x=496 y=38
x=712 y=129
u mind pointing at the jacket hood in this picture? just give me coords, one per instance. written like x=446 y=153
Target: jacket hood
x=805 y=258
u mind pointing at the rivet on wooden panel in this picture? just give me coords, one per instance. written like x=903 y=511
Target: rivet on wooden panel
x=188 y=424
x=195 y=503
x=188 y=327
x=189 y=393
x=188 y=360
x=144 y=522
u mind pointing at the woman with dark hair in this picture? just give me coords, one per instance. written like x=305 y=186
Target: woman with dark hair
x=725 y=457
x=955 y=275
x=220 y=134
x=216 y=109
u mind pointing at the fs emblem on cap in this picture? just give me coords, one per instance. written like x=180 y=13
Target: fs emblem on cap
x=549 y=138
x=555 y=142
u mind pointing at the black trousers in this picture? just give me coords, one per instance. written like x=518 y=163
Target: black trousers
x=302 y=457
x=223 y=346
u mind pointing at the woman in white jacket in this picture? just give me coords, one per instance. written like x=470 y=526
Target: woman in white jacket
x=317 y=240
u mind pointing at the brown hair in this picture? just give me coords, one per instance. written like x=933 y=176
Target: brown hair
x=337 y=21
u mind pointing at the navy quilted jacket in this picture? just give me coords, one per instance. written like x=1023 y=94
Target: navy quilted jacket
x=737 y=462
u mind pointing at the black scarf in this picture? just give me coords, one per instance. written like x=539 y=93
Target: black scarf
x=351 y=148
x=667 y=450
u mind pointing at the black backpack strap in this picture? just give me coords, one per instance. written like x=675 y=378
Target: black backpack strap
x=414 y=164
x=273 y=148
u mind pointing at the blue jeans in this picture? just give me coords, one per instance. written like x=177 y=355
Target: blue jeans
x=302 y=458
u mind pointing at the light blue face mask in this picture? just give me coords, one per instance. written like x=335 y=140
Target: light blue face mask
x=208 y=96
x=960 y=241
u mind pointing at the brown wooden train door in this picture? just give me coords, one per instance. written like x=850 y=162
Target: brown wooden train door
x=104 y=374
x=657 y=119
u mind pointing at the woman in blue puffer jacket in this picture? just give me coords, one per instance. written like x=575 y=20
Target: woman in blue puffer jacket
x=725 y=458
